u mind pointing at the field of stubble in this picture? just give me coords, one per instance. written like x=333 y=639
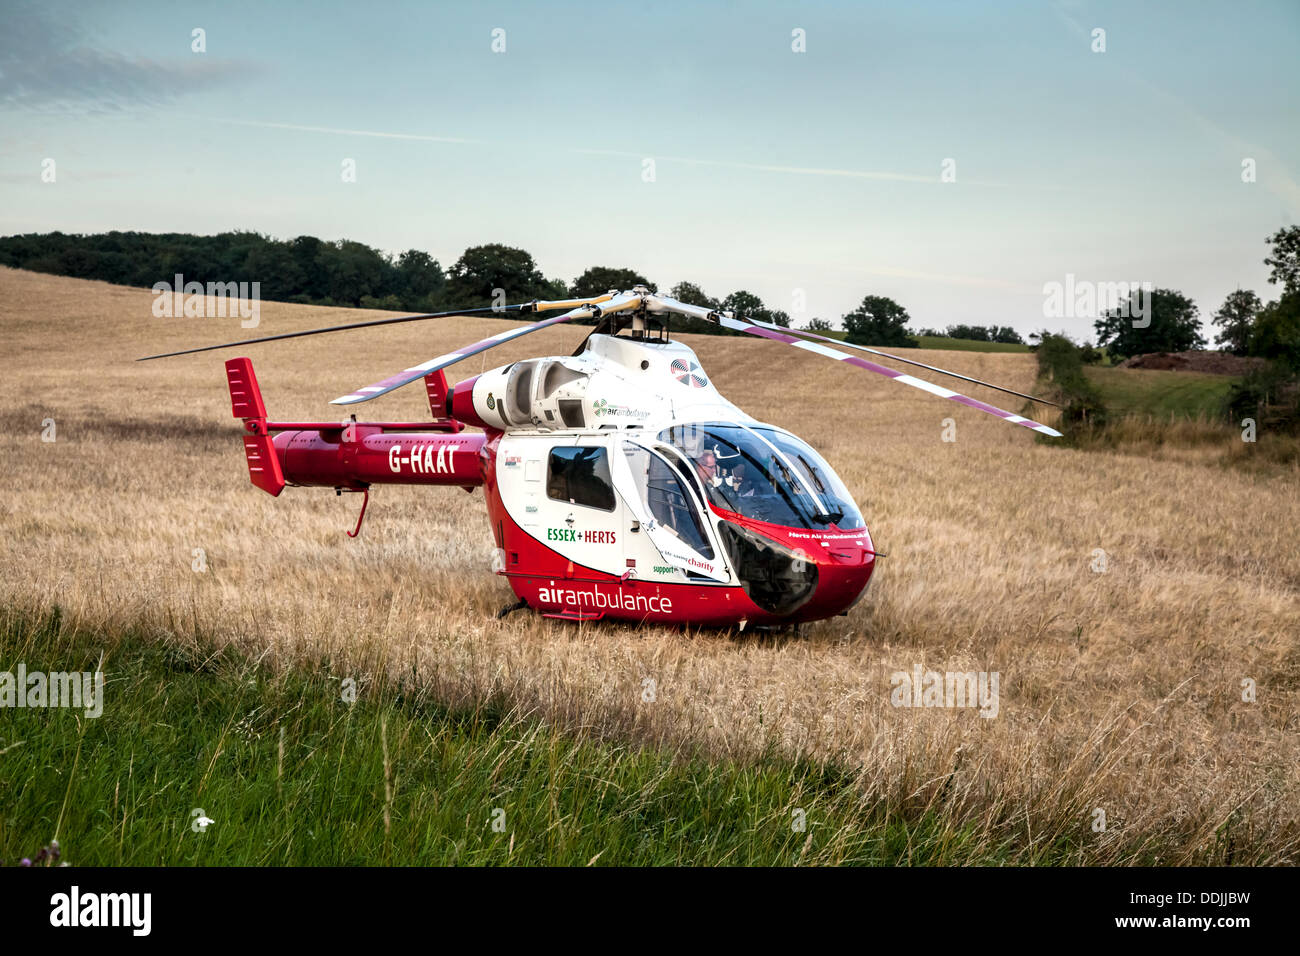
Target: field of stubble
x=1120 y=691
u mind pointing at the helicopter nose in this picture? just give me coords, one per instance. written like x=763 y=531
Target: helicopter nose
x=793 y=575
x=844 y=571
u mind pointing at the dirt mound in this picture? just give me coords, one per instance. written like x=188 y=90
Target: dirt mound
x=1213 y=363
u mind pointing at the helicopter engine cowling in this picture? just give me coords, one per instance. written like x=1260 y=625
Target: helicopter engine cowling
x=538 y=393
x=482 y=400
x=460 y=405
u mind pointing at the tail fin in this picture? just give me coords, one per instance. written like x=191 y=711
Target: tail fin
x=246 y=403
x=435 y=383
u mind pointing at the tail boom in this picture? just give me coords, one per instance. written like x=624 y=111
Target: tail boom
x=362 y=454
x=352 y=455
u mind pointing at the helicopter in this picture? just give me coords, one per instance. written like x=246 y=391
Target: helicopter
x=620 y=483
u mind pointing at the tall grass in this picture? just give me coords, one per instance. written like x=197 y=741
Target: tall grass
x=290 y=772
x=294 y=769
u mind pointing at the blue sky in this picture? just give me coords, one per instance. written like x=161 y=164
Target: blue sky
x=774 y=170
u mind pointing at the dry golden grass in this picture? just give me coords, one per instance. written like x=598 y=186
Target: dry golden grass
x=1120 y=690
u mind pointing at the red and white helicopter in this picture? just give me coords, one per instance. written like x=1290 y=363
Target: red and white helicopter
x=620 y=483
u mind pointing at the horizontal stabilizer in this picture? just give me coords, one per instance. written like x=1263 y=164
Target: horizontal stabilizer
x=263 y=464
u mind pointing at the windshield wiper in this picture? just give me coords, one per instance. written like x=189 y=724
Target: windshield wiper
x=830 y=517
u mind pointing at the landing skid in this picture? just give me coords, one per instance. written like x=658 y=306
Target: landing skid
x=509 y=609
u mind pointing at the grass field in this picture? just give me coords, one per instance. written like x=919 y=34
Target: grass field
x=292 y=773
x=1121 y=689
x=1163 y=394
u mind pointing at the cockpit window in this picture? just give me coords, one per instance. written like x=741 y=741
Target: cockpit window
x=665 y=492
x=765 y=474
x=825 y=482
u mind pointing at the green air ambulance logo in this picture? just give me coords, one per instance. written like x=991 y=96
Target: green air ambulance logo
x=603 y=408
x=491 y=403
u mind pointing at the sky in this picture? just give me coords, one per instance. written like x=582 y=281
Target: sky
x=811 y=178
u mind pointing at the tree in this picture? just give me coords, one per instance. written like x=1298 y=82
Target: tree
x=751 y=306
x=1285 y=258
x=601 y=279
x=420 y=277
x=879 y=320
x=1276 y=334
x=1089 y=354
x=692 y=294
x=1237 y=317
x=1272 y=393
x=486 y=275
x=356 y=270
x=273 y=265
x=975 y=333
x=1171 y=324
x=982 y=333
x=746 y=304
x=315 y=279
x=818 y=325
x=1060 y=361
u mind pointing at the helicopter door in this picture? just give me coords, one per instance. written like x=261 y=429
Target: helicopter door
x=667 y=510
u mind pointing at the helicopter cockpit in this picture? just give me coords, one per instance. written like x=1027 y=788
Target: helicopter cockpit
x=765 y=474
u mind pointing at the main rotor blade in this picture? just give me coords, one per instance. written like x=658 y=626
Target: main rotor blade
x=543 y=306
x=664 y=303
x=903 y=377
x=616 y=304
x=897 y=358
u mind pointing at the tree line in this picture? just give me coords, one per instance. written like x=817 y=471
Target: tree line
x=1246 y=325
x=1169 y=321
x=314 y=271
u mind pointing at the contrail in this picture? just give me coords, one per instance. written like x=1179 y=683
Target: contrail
x=622 y=154
x=764 y=167
x=354 y=132
x=1278 y=181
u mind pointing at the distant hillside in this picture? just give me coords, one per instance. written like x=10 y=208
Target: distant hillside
x=305 y=270
x=968 y=345
x=311 y=271
x=943 y=342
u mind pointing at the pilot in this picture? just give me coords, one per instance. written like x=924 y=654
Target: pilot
x=742 y=486
x=706 y=467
